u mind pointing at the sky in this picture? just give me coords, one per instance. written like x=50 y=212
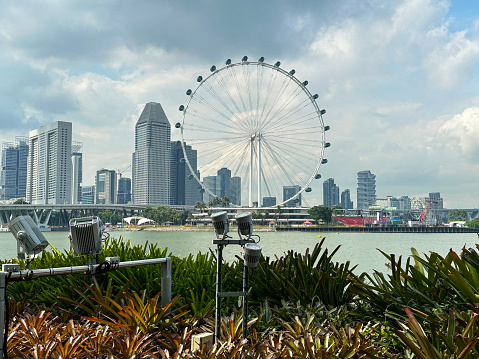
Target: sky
x=398 y=79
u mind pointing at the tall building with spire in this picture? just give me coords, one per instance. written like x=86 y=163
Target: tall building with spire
x=151 y=159
x=366 y=194
x=49 y=166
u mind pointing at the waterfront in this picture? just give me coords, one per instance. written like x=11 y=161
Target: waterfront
x=358 y=248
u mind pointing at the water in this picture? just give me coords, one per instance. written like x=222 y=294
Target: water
x=358 y=248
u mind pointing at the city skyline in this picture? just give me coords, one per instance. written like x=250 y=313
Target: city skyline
x=398 y=79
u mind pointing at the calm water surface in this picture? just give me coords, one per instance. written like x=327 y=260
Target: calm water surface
x=358 y=248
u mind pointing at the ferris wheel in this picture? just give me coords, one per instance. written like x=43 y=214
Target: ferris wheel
x=259 y=122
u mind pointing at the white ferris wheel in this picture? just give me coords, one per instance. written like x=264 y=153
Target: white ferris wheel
x=261 y=123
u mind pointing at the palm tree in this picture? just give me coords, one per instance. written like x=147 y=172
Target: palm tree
x=201 y=206
x=225 y=201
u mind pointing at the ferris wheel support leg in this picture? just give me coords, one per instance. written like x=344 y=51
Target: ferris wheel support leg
x=251 y=174
x=259 y=171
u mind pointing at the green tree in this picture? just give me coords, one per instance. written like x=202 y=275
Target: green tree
x=225 y=201
x=215 y=202
x=457 y=215
x=323 y=213
x=109 y=217
x=201 y=206
x=473 y=224
x=337 y=209
x=20 y=201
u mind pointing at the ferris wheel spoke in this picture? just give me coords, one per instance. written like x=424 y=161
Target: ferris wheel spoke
x=272 y=80
x=259 y=86
x=286 y=117
x=221 y=156
x=279 y=95
x=233 y=76
x=291 y=153
x=284 y=105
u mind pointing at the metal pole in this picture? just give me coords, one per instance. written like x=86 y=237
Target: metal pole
x=259 y=170
x=245 y=301
x=166 y=282
x=219 y=267
x=251 y=173
x=2 y=310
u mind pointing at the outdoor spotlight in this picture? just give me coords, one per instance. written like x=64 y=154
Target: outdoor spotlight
x=252 y=253
x=220 y=222
x=86 y=234
x=30 y=240
x=245 y=223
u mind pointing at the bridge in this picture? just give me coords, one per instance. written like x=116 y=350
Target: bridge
x=42 y=213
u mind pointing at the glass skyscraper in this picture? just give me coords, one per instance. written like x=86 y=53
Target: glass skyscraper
x=151 y=159
x=13 y=176
x=183 y=186
x=330 y=193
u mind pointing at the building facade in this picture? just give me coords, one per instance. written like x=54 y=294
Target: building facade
x=290 y=191
x=77 y=172
x=151 y=159
x=13 y=175
x=88 y=195
x=330 y=193
x=183 y=185
x=366 y=194
x=105 y=187
x=346 y=202
x=49 y=165
x=124 y=190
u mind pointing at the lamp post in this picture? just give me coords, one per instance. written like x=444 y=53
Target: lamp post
x=252 y=253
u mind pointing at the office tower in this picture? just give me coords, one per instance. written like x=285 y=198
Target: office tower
x=88 y=194
x=13 y=177
x=436 y=202
x=404 y=203
x=330 y=193
x=346 y=202
x=124 y=190
x=183 y=186
x=77 y=163
x=105 y=185
x=269 y=201
x=393 y=202
x=290 y=191
x=199 y=188
x=49 y=165
x=366 y=195
x=234 y=191
x=213 y=184
x=224 y=176
x=151 y=159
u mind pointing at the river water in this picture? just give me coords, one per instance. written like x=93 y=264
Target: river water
x=359 y=248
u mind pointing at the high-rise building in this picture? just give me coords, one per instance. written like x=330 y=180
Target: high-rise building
x=290 y=191
x=234 y=190
x=77 y=174
x=366 y=194
x=88 y=194
x=404 y=203
x=151 y=159
x=435 y=200
x=213 y=184
x=105 y=186
x=49 y=164
x=224 y=176
x=269 y=201
x=13 y=176
x=330 y=193
x=183 y=186
x=124 y=190
x=346 y=202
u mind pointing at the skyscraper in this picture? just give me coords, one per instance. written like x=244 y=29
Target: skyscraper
x=105 y=186
x=234 y=190
x=151 y=159
x=213 y=184
x=13 y=176
x=346 y=202
x=290 y=191
x=124 y=190
x=88 y=195
x=77 y=173
x=330 y=193
x=49 y=166
x=183 y=186
x=366 y=195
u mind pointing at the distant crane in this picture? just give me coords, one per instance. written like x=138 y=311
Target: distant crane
x=120 y=173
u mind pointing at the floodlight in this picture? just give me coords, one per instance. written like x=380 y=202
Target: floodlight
x=252 y=253
x=86 y=234
x=245 y=223
x=220 y=222
x=30 y=240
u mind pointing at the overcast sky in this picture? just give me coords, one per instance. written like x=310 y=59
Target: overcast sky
x=399 y=79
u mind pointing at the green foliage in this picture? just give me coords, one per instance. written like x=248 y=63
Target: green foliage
x=323 y=213
x=165 y=214
x=21 y=201
x=457 y=215
x=108 y=216
x=472 y=224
